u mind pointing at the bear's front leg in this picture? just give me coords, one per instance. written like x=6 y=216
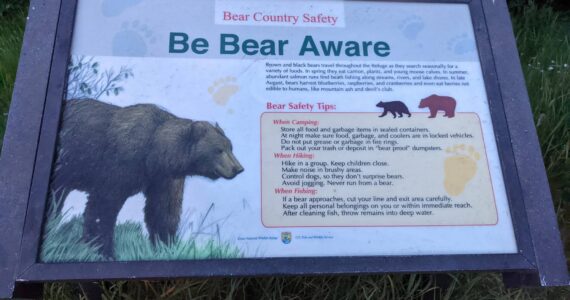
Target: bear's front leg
x=163 y=208
x=432 y=112
x=100 y=216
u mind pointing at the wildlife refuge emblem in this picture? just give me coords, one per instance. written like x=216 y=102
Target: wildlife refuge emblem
x=286 y=237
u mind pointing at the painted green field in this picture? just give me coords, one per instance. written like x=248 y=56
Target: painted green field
x=62 y=242
x=544 y=43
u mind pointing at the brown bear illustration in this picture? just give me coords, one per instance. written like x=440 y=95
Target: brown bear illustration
x=113 y=152
x=394 y=107
x=436 y=103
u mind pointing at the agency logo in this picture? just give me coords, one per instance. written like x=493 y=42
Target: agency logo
x=286 y=237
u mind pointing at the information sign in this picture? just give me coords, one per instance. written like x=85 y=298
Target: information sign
x=251 y=137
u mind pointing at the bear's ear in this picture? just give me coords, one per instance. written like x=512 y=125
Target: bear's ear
x=198 y=129
x=219 y=129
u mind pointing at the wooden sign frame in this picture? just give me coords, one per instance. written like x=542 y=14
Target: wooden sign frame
x=30 y=143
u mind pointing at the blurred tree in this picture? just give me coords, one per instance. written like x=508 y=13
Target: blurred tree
x=9 y=7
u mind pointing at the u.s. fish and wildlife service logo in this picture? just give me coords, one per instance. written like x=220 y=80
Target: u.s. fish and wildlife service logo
x=286 y=237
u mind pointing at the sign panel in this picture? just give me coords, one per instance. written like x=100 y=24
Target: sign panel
x=265 y=129
x=248 y=137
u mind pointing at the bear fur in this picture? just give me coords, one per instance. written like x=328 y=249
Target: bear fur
x=394 y=107
x=113 y=152
x=436 y=103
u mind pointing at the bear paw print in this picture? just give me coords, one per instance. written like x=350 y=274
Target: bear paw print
x=411 y=27
x=133 y=39
x=223 y=89
x=461 y=45
x=459 y=168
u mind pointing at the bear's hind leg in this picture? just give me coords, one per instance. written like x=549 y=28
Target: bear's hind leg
x=163 y=208
x=57 y=200
x=59 y=190
x=100 y=216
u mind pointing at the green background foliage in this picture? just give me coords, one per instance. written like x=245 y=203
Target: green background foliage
x=543 y=40
x=12 y=18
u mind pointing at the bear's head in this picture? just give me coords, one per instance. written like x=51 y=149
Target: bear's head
x=380 y=104
x=211 y=152
x=425 y=101
x=194 y=148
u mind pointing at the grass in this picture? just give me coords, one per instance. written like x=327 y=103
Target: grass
x=62 y=242
x=542 y=36
x=12 y=19
x=543 y=41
